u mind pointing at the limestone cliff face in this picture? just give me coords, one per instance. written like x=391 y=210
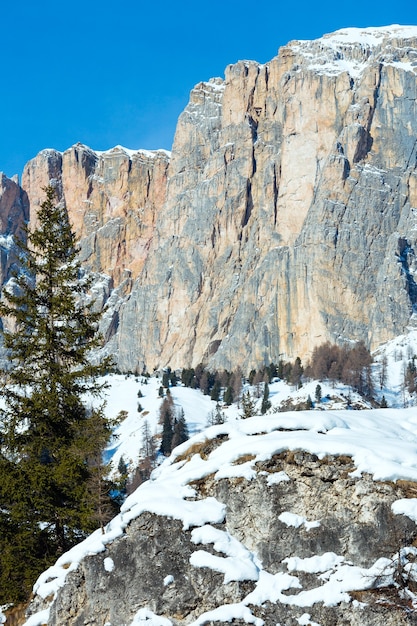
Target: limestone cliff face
x=290 y=213
x=113 y=199
x=14 y=212
x=286 y=215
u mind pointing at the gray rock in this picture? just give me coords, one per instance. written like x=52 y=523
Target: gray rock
x=285 y=217
x=151 y=562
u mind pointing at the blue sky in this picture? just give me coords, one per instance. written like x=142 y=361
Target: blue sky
x=107 y=73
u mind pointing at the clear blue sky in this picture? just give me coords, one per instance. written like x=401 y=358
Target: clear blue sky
x=107 y=73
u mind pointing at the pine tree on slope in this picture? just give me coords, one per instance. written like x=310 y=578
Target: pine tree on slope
x=45 y=434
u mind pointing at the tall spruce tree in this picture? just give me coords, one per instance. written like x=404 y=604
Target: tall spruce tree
x=47 y=434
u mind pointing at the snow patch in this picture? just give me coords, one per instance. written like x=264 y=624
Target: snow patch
x=108 y=564
x=292 y=519
x=277 y=477
x=145 y=616
x=314 y=564
x=228 y=613
x=406 y=507
x=238 y=564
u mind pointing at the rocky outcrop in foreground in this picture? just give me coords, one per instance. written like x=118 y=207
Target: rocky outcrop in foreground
x=243 y=524
x=285 y=216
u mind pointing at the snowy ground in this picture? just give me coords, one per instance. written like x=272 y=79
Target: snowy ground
x=122 y=395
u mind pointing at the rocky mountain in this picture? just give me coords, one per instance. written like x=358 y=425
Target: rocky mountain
x=14 y=213
x=285 y=215
x=289 y=518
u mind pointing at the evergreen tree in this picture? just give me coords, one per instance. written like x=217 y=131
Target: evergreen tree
x=266 y=403
x=166 y=418
x=236 y=383
x=248 y=406
x=48 y=332
x=187 y=376
x=251 y=377
x=317 y=394
x=123 y=469
x=167 y=435
x=297 y=372
x=228 y=396
x=216 y=416
x=384 y=404
x=205 y=383
x=215 y=391
x=166 y=377
x=180 y=433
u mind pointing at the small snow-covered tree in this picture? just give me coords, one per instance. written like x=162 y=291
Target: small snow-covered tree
x=216 y=416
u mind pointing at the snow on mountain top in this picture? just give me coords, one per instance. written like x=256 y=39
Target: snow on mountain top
x=131 y=153
x=152 y=154
x=349 y=49
x=369 y=36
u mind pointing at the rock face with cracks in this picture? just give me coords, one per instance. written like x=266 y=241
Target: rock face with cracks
x=285 y=216
x=345 y=521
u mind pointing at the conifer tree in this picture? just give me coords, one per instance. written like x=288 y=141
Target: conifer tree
x=266 y=403
x=46 y=443
x=216 y=416
x=228 y=396
x=180 y=433
x=248 y=406
x=166 y=418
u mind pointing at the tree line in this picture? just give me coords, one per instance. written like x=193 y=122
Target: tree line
x=349 y=364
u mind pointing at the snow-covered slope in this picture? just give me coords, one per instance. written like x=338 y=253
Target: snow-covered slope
x=122 y=395
x=381 y=443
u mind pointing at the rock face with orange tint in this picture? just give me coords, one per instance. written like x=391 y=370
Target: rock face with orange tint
x=14 y=212
x=286 y=215
x=113 y=200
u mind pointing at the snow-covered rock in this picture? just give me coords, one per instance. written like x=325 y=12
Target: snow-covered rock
x=199 y=544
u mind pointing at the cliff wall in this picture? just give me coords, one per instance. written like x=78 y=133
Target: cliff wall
x=285 y=216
